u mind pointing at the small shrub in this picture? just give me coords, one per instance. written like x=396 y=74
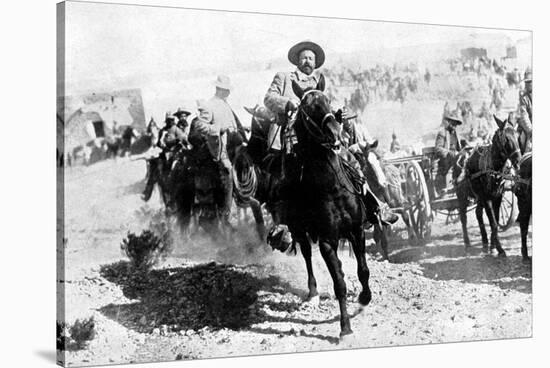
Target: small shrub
x=82 y=331
x=143 y=250
x=62 y=339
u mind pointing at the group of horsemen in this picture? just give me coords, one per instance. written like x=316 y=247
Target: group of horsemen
x=448 y=145
x=215 y=119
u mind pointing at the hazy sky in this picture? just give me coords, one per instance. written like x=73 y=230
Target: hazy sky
x=105 y=40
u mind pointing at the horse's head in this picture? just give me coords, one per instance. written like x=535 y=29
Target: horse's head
x=315 y=118
x=261 y=119
x=505 y=142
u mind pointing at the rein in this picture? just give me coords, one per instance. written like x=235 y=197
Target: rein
x=311 y=127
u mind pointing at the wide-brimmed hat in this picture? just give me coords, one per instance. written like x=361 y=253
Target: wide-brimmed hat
x=528 y=76
x=168 y=116
x=223 y=82
x=452 y=118
x=294 y=52
x=183 y=110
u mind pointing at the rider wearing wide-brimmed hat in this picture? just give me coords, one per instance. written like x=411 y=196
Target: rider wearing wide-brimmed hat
x=280 y=99
x=447 y=146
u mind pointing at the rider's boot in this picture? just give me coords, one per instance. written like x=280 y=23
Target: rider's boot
x=380 y=212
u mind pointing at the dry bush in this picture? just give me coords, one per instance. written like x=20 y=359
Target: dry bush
x=82 y=331
x=144 y=250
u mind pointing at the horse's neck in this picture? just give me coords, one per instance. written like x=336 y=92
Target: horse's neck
x=497 y=162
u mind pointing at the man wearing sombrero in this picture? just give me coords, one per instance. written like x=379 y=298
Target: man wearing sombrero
x=280 y=98
x=447 y=146
x=307 y=56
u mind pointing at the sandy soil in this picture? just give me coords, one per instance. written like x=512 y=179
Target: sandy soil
x=427 y=294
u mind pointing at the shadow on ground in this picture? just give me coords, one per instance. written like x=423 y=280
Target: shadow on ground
x=208 y=295
x=472 y=265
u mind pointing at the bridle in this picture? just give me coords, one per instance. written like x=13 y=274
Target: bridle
x=313 y=129
x=501 y=136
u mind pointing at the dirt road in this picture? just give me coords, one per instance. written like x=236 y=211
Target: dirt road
x=428 y=294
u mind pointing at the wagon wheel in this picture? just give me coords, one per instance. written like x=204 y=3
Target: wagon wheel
x=508 y=210
x=420 y=211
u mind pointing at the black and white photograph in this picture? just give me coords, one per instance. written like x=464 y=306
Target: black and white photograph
x=243 y=183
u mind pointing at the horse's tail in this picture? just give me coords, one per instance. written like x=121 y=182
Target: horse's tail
x=245 y=179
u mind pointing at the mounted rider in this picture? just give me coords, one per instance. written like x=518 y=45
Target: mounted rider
x=360 y=143
x=447 y=146
x=182 y=114
x=216 y=121
x=525 y=113
x=280 y=99
x=170 y=136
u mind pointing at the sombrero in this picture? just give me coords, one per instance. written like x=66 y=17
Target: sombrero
x=294 y=52
x=453 y=118
x=183 y=110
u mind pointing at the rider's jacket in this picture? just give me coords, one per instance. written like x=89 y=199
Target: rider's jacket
x=170 y=136
x=277 y=96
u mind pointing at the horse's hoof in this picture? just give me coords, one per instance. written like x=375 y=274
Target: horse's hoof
x=502 y=254
x=365 y=298
x=346 y=337
x=313 y=301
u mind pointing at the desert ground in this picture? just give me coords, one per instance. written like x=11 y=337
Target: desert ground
x=431 y=293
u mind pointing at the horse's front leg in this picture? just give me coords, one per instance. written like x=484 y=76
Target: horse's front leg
x=463 y=214
x=495 y=242
x=363 y=273
x=479 y=216
x=329 y=253
x=305 y=249
x=523 y=218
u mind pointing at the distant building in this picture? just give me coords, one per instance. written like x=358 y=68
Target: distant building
x=87 y=117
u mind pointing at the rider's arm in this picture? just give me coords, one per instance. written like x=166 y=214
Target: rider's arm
x=524 y=121
x=160 y=141
x=440 y=149
x=206 y=123
x=274 y=99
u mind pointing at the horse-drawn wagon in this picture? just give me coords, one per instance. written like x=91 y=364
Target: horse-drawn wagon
x=422 y=199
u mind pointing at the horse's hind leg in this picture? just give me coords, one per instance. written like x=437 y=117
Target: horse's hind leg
x=328 y=251
x=258 y=218
x=410 y=231
x=363 y=273
x=381 y=238
x=479 y=216
x=495 y=242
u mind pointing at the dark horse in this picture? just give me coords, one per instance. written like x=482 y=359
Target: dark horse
x=325 y=205
x=482 y=181
x=207 y=186
x=175 y=184
x=523 y=189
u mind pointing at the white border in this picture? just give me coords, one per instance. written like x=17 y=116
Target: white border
x=27 y=253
